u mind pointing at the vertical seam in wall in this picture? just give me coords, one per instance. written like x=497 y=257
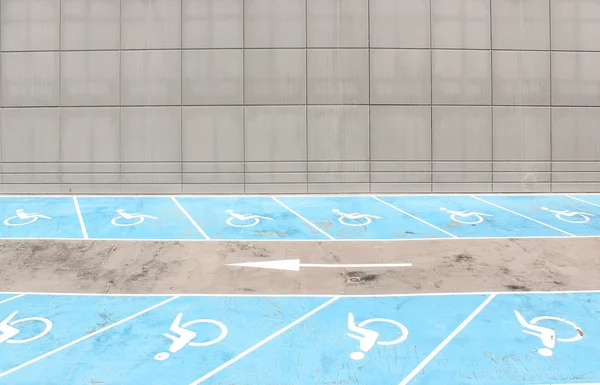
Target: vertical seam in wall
x=306 y=91
x=60 y=162
x=244 y=92
x=492 y=95
x=120 y=92
x=550 y=101
x=369 y=107
x=431 y=95
x=181 y=94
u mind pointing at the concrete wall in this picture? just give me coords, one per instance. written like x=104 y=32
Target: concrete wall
x=297 y=96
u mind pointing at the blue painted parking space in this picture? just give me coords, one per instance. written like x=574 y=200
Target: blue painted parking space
x=247 y=218
x=564 y=347
x=561 y=212
x=468 y=217
x=35 y=218
x=136 y=218
x=300 y=217
x=484 y=338
x=360 y=217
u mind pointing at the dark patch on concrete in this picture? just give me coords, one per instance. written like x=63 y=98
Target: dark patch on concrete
x=463 y=257
x=504 y=270
x=360 y=277
x=517 y=288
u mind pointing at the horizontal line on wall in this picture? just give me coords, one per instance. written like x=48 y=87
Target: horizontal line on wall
x=300 y=48
x=301 y=105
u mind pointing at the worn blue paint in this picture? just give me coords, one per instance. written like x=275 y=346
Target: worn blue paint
x=419 y=217
x=64 y=222
x=491 y=349
x=171 y=223
x=390 y=223
x=496 y=222
x=532 y=206
x=212 y=216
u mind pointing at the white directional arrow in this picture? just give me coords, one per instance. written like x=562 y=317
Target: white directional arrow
x=295 y=264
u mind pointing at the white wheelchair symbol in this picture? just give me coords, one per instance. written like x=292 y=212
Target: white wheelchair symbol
x=361 y=219
x=185 y=337
x=547 y=335
x=23 y=218
x=563 y=215
x=9 y=331
x=368 y=338
x=128 y=217
x=455 y=215
x=244 y=217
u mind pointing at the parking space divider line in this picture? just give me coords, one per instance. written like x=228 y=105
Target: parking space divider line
x=414 y=217
x=446 y=341
x=11 y=298
x=189 y=217
x=521 y=215
x=304 y=219
x=87 y=336
x=264 y=341
x=584 y=201
x=81 y=222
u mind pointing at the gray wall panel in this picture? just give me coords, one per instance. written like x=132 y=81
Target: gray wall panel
x=90 y=24
x=275 y=76
x=400 y=76
x=521 y=78
x=30 y=79
x=337 y=23
x=460 y=24
x=576 y=78
x=150 y=78
x=30 y=25
x=338 y=76
x=399 y=23
x=338 y=133
x=521 y=24
x=575 y=25
x=461 y=77
x=213 y=77
x=212 y=23
x=147 y=24
x=89 y=78
x=275 y=24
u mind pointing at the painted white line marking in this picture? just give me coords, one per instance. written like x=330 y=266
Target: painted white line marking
x=184 y=211
x=581 y=200
x=445 y=342
x=261 y=343
x=87 y=336
x=81 y=222
x=295 y=264
x=414 y=217
x=304 y=219
x=433 y=294
x=523 y=216
x=11 y=298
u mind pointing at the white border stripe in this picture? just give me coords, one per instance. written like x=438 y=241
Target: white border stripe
x=261 y=343
x=417 y=218
x=581 y=200
x=87 y=336
x=521 y=215
x=304 y=219
x=11 y=298
x=445 y=342
x=81 y=222
x=538 y=292
x=184 y=211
